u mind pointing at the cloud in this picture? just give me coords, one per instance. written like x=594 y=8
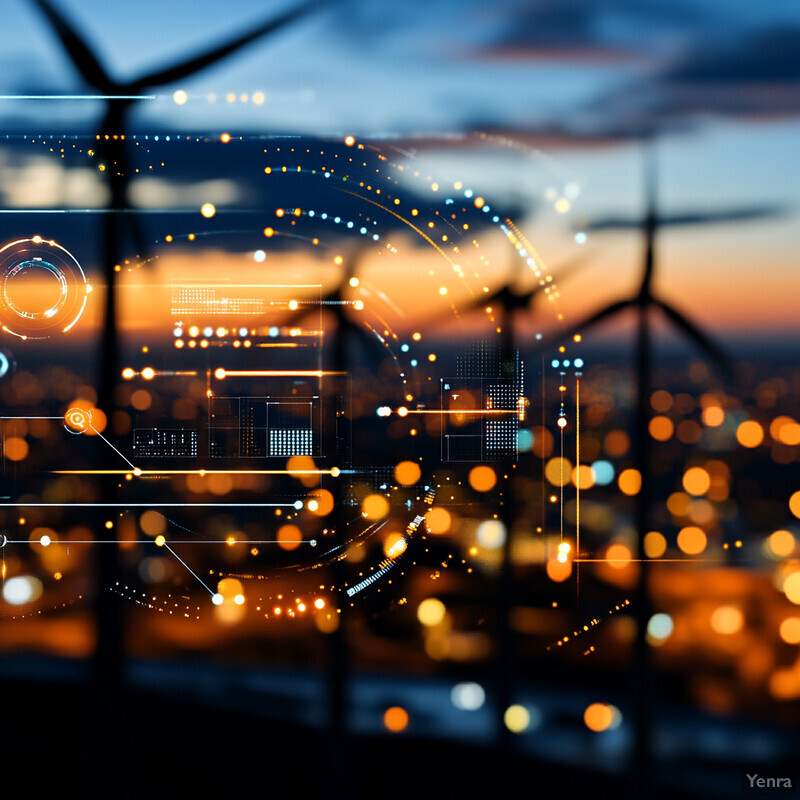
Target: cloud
x=766 y=58
x=588 y=30
x=685 y=63
x=754 y=75
x=159 y=193
x=41 y=182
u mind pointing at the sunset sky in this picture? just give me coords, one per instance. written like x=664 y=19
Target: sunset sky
x=570 y=83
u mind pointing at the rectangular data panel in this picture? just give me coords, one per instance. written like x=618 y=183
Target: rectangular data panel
x=479 y=418
x=264 y=427
x=164 y=443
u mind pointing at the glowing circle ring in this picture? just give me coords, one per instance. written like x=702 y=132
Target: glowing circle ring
x=77 y=420
x=38 y=255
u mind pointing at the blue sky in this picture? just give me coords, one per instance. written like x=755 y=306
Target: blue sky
x=720 y=78
x=417 y=66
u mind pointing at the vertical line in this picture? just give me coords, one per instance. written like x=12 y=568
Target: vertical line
x=444 y=440
x=578 y=486
x=544 y=492
x=208 y=417
x=268 y=446
x=561 y=481
x=239 y=425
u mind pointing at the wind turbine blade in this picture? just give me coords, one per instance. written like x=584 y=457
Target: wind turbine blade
x=595 y=319
x=569 y=269
x=484 y=300
x=334 y=300
x=187 y=68
x=604 y=314
x=362 y=337
x=689 y=218
x=311 y=307
x=691 y=331
x=524 y=298
x=78 y=50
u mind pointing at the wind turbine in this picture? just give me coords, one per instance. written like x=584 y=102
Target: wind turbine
x=112 y=148
x=643 y=301
x=506 y=302
x=511 y=299
x=337 y=301
x=121 y=97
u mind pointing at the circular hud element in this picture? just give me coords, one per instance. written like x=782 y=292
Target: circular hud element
x=77 y=420
x=43 y=288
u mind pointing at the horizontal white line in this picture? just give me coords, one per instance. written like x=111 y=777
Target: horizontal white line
x=68 y=542
x=78 y=96
x=146 y=505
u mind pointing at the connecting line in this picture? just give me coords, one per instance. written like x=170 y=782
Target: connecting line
x=189 y=568
x=31 y=417
x=69 y=542
x=146 y=472
x=562 y=484
x=223 y=285
x=221 y=374
x=578 y=486
x=463 y=412
x=147 y=505
x=113 y=448
x=138 y=211
x=78 y=96
x=661 y=561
